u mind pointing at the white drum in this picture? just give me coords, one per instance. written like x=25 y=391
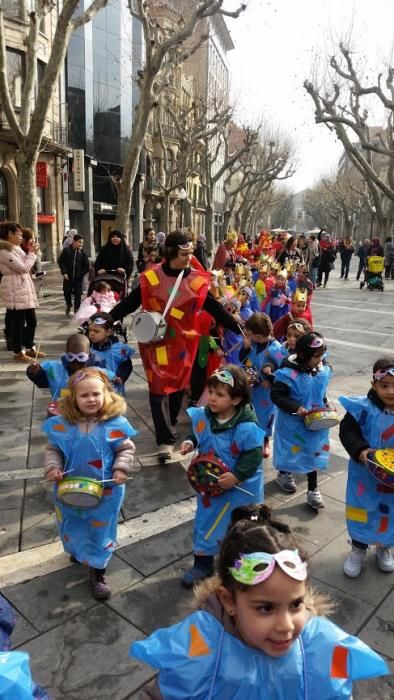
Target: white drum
x=148 y=326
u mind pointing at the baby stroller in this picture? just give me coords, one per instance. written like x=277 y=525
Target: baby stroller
x=373 y=273
x=118 y=284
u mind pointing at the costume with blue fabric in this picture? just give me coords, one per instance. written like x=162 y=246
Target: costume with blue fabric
x=231 y=345
x=57 y=374
x=113 y=357
x=297 y=449
x=211 y=521
x=89 y=535
x=369 y=504
x=254 y=302
x=199 y=660
x=16 y=682
x=261 y=398
x=277 y=303
x=245 y=311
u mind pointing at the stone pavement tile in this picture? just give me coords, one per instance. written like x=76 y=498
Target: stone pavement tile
x=158 y=601
x=39 y=522
x=350 y=612
x=335 y=487
x=9 y=531
x=157 y=552
x=377 y=689
x=379 y=631
x=154 y=487
x=23 y=630
x=86 y=658
x=317 y=528
x=327 y=566
x=11 y=495
x=50 y=600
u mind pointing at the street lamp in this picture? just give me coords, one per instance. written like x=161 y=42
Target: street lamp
x=373 y=212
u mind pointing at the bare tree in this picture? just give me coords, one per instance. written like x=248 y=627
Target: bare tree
x=282 y=209
x=165 y=47
x=344 y=107
x=29 y=130
x=336 y=202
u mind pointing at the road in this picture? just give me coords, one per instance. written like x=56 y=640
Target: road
x=79 y=647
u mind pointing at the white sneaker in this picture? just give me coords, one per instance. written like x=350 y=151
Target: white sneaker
x=385 y=559
x=354 y=562
x=286 y=482
x=314 y=499
x=165 y=451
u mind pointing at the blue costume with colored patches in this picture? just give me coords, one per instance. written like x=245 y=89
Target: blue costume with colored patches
x=297 y=449
x=56 y=374
x=369 y=504
x=277 y=303
x=112 y=357
x=261 y=397
x=199 y=659
x=89 y=535
x=211 y=521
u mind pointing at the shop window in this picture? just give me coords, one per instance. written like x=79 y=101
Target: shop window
x=15 y=69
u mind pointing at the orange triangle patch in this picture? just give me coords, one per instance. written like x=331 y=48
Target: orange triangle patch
x=59 y=427
x=198 y=646
x=116 y=434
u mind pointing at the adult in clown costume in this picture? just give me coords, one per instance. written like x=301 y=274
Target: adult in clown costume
x=369 y=425
x=260 y=631
x=168 y=363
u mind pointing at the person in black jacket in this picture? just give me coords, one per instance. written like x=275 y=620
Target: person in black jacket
x=177 y=257
x=74 y=265
x=115 y=255
x=200 y=251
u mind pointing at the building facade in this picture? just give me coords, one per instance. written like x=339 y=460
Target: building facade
x=54 y=156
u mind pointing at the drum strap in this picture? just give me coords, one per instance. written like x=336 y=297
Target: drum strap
x=172 y=295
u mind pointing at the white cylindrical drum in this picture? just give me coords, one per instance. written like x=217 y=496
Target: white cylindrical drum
x=148 y=326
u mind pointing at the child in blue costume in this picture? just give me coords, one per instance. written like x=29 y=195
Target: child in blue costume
x=277 y=302
x=90 y=438
x=260 y=631
x=114 y=355
x=296 y=328
x=54 y=374
x=244 y=296
x=232 y=342
x=263 y=353
x=300 y=385
x=16 y=682
x=369 y=425
x=226 y=427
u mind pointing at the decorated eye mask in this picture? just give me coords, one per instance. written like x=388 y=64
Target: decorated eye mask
x=254 y=568
x=76 y=357
x=224 y=376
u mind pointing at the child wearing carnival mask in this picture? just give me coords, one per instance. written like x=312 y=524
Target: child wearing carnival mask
x=259 y=631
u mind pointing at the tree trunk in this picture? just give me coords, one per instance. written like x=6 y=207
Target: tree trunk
x=225 y=224
x=133 y=158
x=166 y=213
x=209 y=228
x=187 y=213
x=26 y=167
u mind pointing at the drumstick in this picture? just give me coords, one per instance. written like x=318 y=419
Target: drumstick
x=67 y=472
x=101 y=481
x=37 y=350
x=235 y=487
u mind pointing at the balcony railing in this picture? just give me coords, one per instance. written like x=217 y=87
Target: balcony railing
x=59 y=134
x=152 y=185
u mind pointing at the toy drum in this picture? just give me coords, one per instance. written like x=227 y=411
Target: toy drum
x=321 y=418
x=148 y=326
x=252 y=375
x=381 y=465
x=80 y=492
x=203 y=473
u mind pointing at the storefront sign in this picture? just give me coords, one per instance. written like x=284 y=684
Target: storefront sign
x=41 y=174
x=79 y=169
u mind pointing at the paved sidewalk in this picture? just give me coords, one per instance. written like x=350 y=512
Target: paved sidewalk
x=78 y=647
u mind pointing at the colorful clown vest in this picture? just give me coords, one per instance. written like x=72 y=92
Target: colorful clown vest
x=58 y=377
x=261 y=397
x=213 y=516
x=198 y=659
x=89 y=535
x=297 y=449
x=369 y=504
x=168 y=363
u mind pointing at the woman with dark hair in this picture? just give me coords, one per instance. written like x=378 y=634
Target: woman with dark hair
x=376 y=247
x=327 y=259
x=291 y=253
x=115 y=255
x=168 y=363
x=17 y=292
x=149 y=251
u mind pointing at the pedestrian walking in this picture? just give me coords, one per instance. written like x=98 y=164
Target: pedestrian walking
x=226 y=427
x=313 y=258
x=74 y=265
x=362 y=254
x=367 y=426
x=18 y=294
x=259 y=630
x=388 y=259
x=200 y=251
x=346 y=250
x=115 y=256
x=149 y=252
x=327 y=259
x=91 y=439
